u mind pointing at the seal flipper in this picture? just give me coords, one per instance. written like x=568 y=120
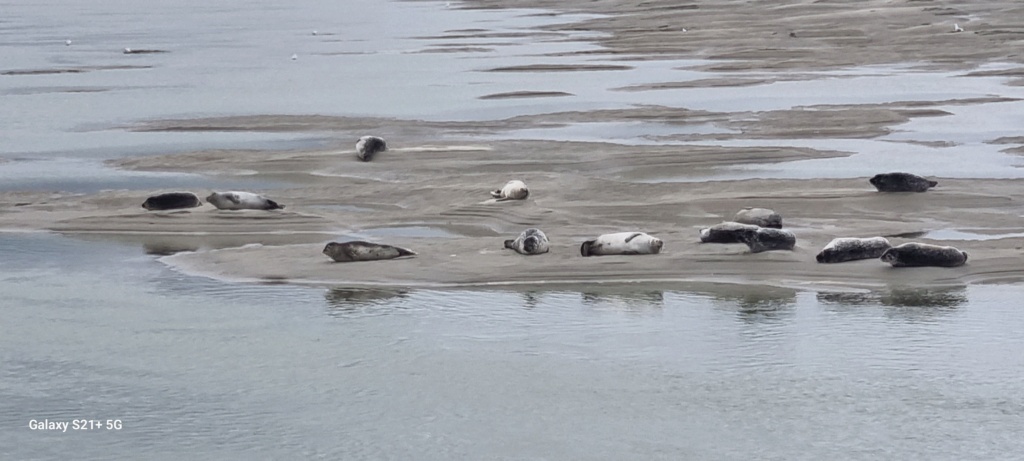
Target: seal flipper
x=404 y=252
x=585 y=248
x=496 y=193
x=635 y=235
x=233 y=198
x=933 y=183
x=272 y=205
x=509 y=243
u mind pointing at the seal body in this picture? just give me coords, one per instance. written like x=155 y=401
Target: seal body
x=761 y=217
x=922 y=254
x=850 y=249
x=726 y=232
x=363 y=251
x=235 y=200
x=767 y=239
x=172 y=201
x=512 y=190
x=901 y=182
x=622 y=243
x=368 y=146
x=531 y=242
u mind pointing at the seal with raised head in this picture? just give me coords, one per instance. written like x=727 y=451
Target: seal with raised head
x=345 y=252
x=622 y=243
x=172 y=201
x=851 y=249
x=368 y=146
x=901 y=182
x=767 y=239
x=235 y=200
x=726 y=232
x=512 y=190
x=922 y=254
x=761 y=217
x=531 y=241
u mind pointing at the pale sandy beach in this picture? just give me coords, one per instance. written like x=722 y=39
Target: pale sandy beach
x=429 y=192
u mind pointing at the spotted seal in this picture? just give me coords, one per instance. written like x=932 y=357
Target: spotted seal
x=344 y=252
x=726 y=232
x=531 y=241
x=235 y=200
x=850 y=249
x=172 y=201
x=762 y=239
x=901 y=182
x=512 y=190
x=922 y=254
x=761 y=217
x=622 y=243
x=368 y=146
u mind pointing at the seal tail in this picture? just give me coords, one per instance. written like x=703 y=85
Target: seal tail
x=272 y=205
x=932 y=183
x=585 y=248
x=508 y=244
x=496 y=193
x=405 y=252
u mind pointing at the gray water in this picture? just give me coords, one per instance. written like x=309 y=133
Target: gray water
x=97 y=330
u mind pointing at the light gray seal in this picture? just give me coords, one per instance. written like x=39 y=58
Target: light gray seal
x=762 y=239
x=761 y=217
x=172 y=201
x=344 y=252
x=726 y=232
x=236 y=200
x=512 y=190
x=622 y=243
x=368 y=146
x=531 y=241
x=850 y=249
x=922 y=254
x=901 y=182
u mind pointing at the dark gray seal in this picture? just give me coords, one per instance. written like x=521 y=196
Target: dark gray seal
x=344 y=252
x=762 y=239
x=726 y=232
x=851 y=249
x=368 y=146
x=901 y=182
x=172 y=201
x=761 y=217
x=922 y=254
x=531 y=241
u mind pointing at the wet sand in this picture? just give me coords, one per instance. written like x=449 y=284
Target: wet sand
x=429 y=192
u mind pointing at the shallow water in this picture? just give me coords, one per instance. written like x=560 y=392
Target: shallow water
x=223 y=370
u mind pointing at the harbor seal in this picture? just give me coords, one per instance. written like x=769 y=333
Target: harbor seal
x=235 y=200
x=922 y=254
x=622 y=243
x=368 y=146
x=363 y=251
x=901 y=182
x=531 y=242
x=850 y=249
x=726 y=232
x=762 y=239
x=172 y=201
x=761 y=217
x=512 y=190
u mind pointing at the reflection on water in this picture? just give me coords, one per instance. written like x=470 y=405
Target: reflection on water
x=948 y=297
x=626 y=297
x=351 y=299
x=755 y=303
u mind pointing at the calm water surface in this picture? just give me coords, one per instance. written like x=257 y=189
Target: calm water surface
x=102 y=331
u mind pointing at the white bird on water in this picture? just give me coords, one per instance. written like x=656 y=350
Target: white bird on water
x=294 y=57
x=314 y=32
x=67 y=42
x=957 y=28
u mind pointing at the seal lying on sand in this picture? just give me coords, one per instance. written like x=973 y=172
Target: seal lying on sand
x=363 y=251
x=901 y=182
x=172 y=201
x=922 y=254
x=762 y=217
x=726 y=232
x=235 y=200
x=622 y=243
x=531 y=242
x=767 y=239
x=849 y=249
x=513 y=190
x=368 y=146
